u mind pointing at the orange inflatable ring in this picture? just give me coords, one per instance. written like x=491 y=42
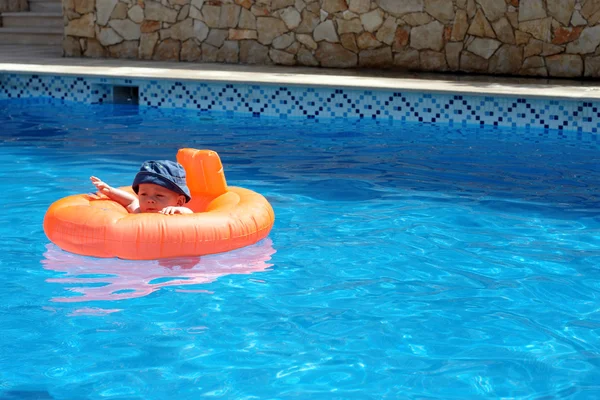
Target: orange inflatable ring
x=225 y=218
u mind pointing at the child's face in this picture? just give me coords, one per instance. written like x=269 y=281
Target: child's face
x=154 y=198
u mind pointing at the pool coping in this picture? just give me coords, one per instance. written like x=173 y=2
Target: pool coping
x=45 y=61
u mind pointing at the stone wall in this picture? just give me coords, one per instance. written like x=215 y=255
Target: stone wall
x=13 y=6
x=558 y=38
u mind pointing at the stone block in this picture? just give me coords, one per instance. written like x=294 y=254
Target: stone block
x=401 y=38
x=309 y=22
x=588 y=41
x=504 y=31
x=128 y=49
x=293 y=48
x=376 y=58
x=242 y=34
x=561 y=10
x=371 y=21
x=533 y=48
x=108 y=36
x=460 y=26
x=430 y=36
x=531 y=10
x=229 y=16
x=104 y=9
x=282 y=57
x=126 y=28
x=154 y=11
x=387 y=31
x=252 y=52
x=119 y=12
x=306 y=58
x=200 y=30
x=167 y=50
x=481 y=27
x=333 y=6
x=589 y=9
x=190 y=51
x=247 y=20
x=565 y=65
x=269 y=28
x=359 y=6
x=442 y=10
x=470 y=62
x=522 y=38
x=211 y=15
x=433 y=61
x=335 y=56
x=247 y=4
x=181 y=15
x=539 y=72
x=291 y=17
x=407 y=59
x=279 y=4
x=453 y=50
x=577 y=19
x=150 y=26
x=147 y=44
x=592 y=67
x=349 y=26
x=284 y=41
x=493 y=9
x=367 y=40
x=300 y=5
x=260 y=11
x=197 y=3
x=400 y=7
x=95 y=50
x=534 y=62
x=326 y=32
x=483 y=47
x=417 y=19
x=307 y=40
x=216 y=37
x=508 y=59
x=549 y=49
x=71 y=47
x=564 y=35
x=209 y=53
x=84 y=6
x=229 y=52
x=82 y=27
x=540 y=29
x=136 y=14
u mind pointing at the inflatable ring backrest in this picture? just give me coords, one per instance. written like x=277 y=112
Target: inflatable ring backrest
x=204 y=176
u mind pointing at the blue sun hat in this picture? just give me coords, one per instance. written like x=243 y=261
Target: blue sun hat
x=165 y=173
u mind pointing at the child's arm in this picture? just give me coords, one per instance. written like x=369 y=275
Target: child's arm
x=176 y=210
x=127 y=200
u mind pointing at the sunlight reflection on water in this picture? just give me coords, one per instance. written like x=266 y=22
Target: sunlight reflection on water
x=92 y=279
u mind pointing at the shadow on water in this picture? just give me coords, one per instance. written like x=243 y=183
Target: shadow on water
x=352 y=160
x=111 y=279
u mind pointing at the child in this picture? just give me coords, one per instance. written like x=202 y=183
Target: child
x=160 y=186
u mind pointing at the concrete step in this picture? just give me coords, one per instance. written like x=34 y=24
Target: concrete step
x=45 y=6
x=34 y=19
x=31 y=36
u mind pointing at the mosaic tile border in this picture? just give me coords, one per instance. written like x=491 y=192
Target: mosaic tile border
x=317 y=103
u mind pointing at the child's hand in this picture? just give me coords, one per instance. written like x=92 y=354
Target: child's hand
x=100 y=185
x=175 y=210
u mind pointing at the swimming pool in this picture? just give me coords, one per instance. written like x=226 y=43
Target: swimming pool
x=407 y=260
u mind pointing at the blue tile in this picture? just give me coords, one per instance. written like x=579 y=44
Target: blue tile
x=315 y=102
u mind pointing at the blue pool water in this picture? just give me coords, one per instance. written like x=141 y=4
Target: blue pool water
x=406 y=261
